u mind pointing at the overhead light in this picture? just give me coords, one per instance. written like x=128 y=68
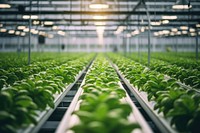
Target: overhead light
x=48 y=23
x=169 y=17
x=155 y=23
x=198 y=25
x=17 y=33
x=142 y=29
x=21 y=27
x=160 y=33
x=62 y=33
x=174 y=29
x=4 y=5
x=199 y=32
x=193 y=34
x=36 y=22
x=99 y=17
x=166 y=32
x=1 y=25
x=26 y=30
x=98 y=4
x=3 y=30
x=184 y=32
x=165 y=21
x=55 y=27
x=184 y=28
x=181 y=4
x=42 y=33
x=178 y=33
x=50 y=35
x=23 y=34
x=100 y=23
x=156 y=34
x=192 y=30
x=136 y=32
x=172 y=34
x=30 y=16
x=11 y=31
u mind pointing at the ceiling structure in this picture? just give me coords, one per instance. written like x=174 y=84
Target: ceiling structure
x=74 y=17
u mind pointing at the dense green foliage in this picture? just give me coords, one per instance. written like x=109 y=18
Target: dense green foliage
x=101 y=110
x=185 y=70
x=20 y=102
x=181 y=105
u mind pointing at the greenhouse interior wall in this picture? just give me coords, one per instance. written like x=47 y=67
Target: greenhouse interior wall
x=91 y=44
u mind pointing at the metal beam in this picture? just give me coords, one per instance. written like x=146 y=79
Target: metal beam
x=98 y=13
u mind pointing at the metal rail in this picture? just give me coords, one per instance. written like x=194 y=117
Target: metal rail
x=43 y=116
x=162 y=123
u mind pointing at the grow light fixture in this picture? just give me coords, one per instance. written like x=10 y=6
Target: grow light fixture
x=99 y=17
x=3 y=30
x=181 y=5
x=156 y=34
x=23 y=34
x=1 y=25
x=11 y=31
x=4 y=5
x=169 y=17
x=198 y=25
x=172 y=34
x=98 y=4
x=166 y=32
x=184 y=28
x=174 y=29
x=17 y=33
x=155 y=23
x=26 y=30
x=48 y=23
x=142 y=29
x=30 y=16
x=50 y=36
x=62 y=33
x=193 y=34
x=136 y=32
x=165 y=21
x=184 y=32
x=178 y=33
x=192 y=30
x=55 y=27
x=36 y=22
x=21 y=27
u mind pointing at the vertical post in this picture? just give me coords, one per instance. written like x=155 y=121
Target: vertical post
x=149 y=33
x=29 y=37
x=197 y=47
x=18 y=47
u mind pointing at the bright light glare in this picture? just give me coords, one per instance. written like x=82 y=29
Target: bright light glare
x=99 y=17
x=28 y=16
x=184 y=28
x=181 y=7
x=21 y=27
x=11 y=32
x=155 y=23
x=5 y=6
x=174 y=29
x=62 y=33
x=48 y=23
x=99 y=6
x=169 y=17
x=3 y=30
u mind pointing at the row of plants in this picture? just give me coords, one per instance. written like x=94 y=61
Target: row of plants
x=188 y=76
x=13 y=59
x=22 y=102
x=101 y=110
x=178 y=105
x=11 y=75
x=180 y=59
